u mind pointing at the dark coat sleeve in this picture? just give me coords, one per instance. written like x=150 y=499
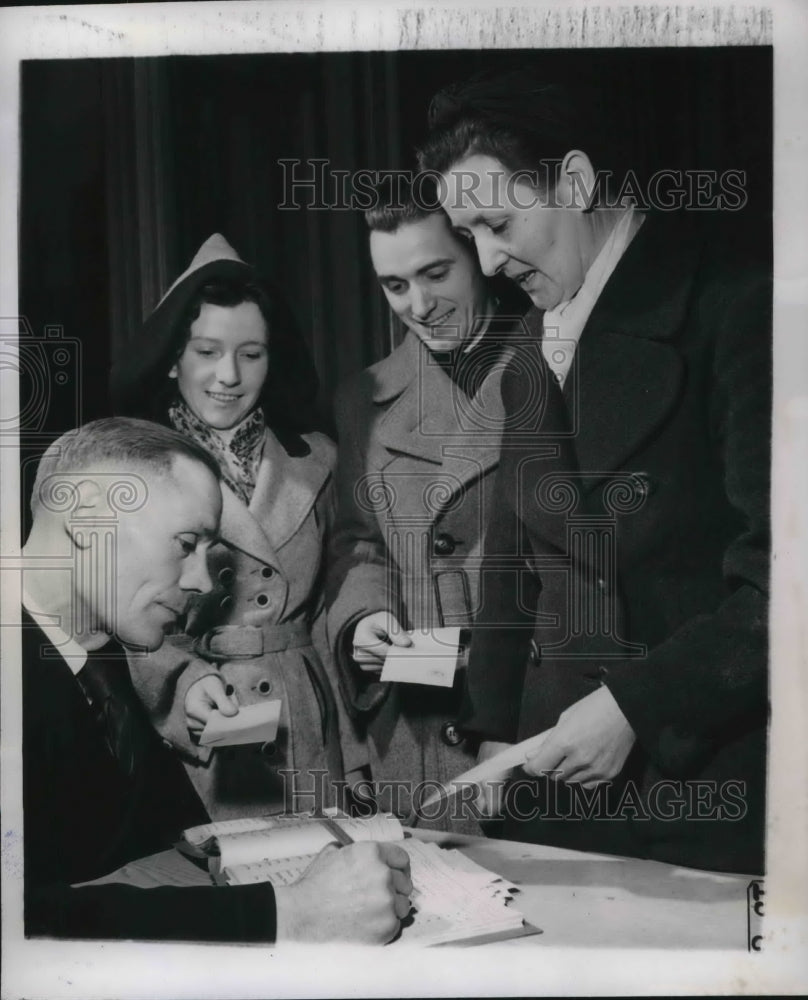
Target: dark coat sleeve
x=359 y=581
x=83 y=818
x=197 y=913
x=499 y=652
x=710 y=675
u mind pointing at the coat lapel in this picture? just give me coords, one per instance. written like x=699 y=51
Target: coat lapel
x=540 y=440
x=431 y=429
x=285 y=492
x=627 y=374
x=240 y=529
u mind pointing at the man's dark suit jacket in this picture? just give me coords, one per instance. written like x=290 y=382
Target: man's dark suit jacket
x=664 y=433
x=83 y=818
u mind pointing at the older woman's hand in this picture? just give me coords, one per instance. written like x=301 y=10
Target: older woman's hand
x=589 y=744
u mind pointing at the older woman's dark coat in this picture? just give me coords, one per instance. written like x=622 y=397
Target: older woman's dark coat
x=629 y=547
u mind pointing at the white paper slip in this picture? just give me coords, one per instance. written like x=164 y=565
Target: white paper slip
x=431 y=659
x=497 y=767
x=252 y=724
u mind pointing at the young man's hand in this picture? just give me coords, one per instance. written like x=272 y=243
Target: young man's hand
x=205 y=696
x=358 y=893
x=373 y=636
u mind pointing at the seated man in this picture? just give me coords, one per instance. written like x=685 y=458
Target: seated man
x=111 y=560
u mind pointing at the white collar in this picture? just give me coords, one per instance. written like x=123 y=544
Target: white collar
x=601 y=268
x=563 y=326
x=74 y=655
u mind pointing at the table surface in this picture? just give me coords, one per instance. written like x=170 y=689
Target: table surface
x=577 y=899
x=598 y=900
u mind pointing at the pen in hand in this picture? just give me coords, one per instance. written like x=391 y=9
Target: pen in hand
x=342 y=838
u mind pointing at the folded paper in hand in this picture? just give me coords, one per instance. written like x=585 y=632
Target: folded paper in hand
x=252 y=724
x=431 y=659
x=493 y=769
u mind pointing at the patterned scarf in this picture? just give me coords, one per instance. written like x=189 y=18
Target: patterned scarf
x=238 y=458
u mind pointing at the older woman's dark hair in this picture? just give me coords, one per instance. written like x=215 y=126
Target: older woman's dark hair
x=140 y=384
x=515 y=117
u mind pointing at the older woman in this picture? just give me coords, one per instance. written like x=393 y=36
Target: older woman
x=218 y=361
x=627 y=589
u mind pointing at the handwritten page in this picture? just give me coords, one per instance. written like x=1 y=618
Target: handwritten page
x=451 y=903
x=200 y=836
x=298 y=839
x=281 y=871
x=453 y=898
x=431 y=659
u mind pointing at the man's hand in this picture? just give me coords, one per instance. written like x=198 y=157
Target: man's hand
x=489 y=800
x=358 y=893
x=589 y=744
x=203 y=697
x=373 y=636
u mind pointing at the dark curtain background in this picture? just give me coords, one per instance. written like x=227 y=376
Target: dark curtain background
x=128 y=165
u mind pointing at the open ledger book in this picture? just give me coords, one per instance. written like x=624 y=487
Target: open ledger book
x=454 y=900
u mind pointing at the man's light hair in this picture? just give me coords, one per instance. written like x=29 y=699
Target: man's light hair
x=123 y=442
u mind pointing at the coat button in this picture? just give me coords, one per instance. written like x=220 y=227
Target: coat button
x=269 y=749
x=226 y=576
x=226 y=603
x=533 y=656
x=262 y=600
x=450 y=734
x=264 y=687
x=444 y=545
x=266 y=572
x=643 y=484
x=603 y=671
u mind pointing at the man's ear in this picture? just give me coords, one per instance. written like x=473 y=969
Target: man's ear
x=90 y=498
x=576 y=182
x=90 y=495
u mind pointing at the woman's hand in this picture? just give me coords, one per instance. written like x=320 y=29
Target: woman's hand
x=372 y=638
x=205 y=696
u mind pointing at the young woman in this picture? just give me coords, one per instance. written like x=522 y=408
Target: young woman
x=219 y=361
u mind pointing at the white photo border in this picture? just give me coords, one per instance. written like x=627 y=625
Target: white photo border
x=124 y=969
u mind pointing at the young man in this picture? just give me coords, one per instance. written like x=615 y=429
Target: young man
x=124 y=512
x=419 y=435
